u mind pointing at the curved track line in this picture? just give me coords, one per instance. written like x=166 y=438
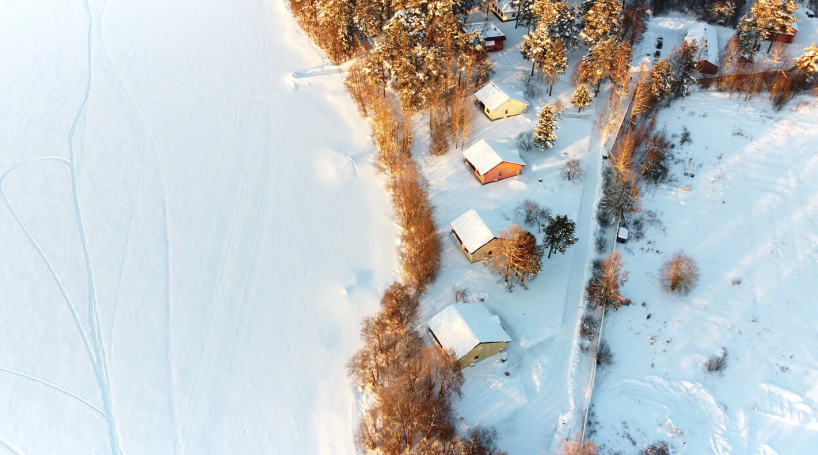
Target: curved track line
x=41 y=253
x=57 y=389
x=97 y=341
x=9 y=447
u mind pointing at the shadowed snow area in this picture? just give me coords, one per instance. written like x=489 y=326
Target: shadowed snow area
x=190 y=236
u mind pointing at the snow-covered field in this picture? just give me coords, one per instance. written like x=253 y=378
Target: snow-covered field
x=190 y=235
x=749 y=218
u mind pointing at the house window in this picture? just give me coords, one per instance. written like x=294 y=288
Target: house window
x=489 y=253
x=499 y=174
x=476 y=357
x=506 y=111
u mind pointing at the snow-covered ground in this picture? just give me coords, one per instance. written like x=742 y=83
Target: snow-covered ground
x=749 y=218
x=190 y=235
x=529 y=404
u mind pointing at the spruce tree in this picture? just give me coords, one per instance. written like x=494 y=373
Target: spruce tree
x=565 y=27
x=661 y=80
x=525 y=14
x=545 y=132
x=559 y=235
x=747 y=36
x=773 y=16
x=687 y=65
x=582 y=97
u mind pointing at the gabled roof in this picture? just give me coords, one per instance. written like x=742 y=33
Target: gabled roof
x=486 y=155
x=462 y=326
x=486 y=30
x=707 y=40
x=476 y=229
x=506 y=6
x=494 y=95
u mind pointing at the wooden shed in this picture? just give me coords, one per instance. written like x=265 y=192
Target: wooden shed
x=505 y=10
x=477 y=233
x=490 y=161
x=468 y=332
x=705 y=37
x=498 y=101
x=786 y=37
x=490 y=36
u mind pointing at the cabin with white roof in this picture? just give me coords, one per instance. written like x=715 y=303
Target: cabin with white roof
x=468 y=333
x=477 y=233
x=706 y=39
x=498 y=101
x=490 y=36
x=505 y=10
x=491 y=161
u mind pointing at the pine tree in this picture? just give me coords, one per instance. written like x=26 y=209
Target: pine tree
x=661 y=79
x=565 y=27
x=598 y=63
x=535 y=45
x=601 y=20
x=370 y=16
x=545 y=132
x=582 y=97
x=808 y=61
x=337 y=29
x=554 y=62
x=559 y=235
x=687 y=66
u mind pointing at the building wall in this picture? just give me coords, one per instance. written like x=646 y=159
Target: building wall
x=482 y=351
x=509 y=108
x=503 y=16
x=502 y=171
x=486 y=251
x=785 y=38
x=706 y=67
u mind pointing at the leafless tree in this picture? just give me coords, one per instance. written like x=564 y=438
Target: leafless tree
x=481 y=441
x=519 y=258
x=603 y=289
x=679 y=274
x=573 y=171
x=580 y=447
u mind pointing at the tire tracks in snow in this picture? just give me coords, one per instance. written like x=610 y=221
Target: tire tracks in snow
x=92 y=407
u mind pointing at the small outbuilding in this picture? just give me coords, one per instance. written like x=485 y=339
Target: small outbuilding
x=498 y=101
x=490 y=161
x=478 y=233
x=706 y=39
x=622 y=235
x=490 y=36
x=505 y=10
x=468 y=332
x=785 y=37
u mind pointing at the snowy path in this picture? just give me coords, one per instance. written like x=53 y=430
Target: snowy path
x=190 y=236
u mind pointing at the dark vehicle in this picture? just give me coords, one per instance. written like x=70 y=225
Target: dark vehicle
x=657 y=54
x=809 y=12
x=659 y=42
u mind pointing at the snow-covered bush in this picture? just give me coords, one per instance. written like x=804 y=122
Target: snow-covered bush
x=657 y=448
x=716 y=362
x=604 y=355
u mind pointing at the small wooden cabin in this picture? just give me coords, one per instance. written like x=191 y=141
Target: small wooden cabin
x=468 y=332
x=505 y=10
x=490 y=161
x=705 y=37
x=786 y=37
x=498 y=101
x=490 y=36
x=478 y=234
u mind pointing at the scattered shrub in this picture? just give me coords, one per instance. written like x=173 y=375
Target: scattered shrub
x=600 y=242
x=604 y=354
x=481 y=441
x=603 y=288
x=525 y=141
x=685 y=139
x=657 y=448
x=716 y=362
x=532 y=214
x=588 y=326
x=679 y=274
x=580 y=447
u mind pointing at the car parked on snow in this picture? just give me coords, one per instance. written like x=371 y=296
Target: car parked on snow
x=659 y=42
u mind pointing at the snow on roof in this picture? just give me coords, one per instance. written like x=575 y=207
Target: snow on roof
x=494 y=95
x=486 y=29
x=462 y=326
x=506 y=6
x=486 y=155
x=707 y=40
x=475 y=229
